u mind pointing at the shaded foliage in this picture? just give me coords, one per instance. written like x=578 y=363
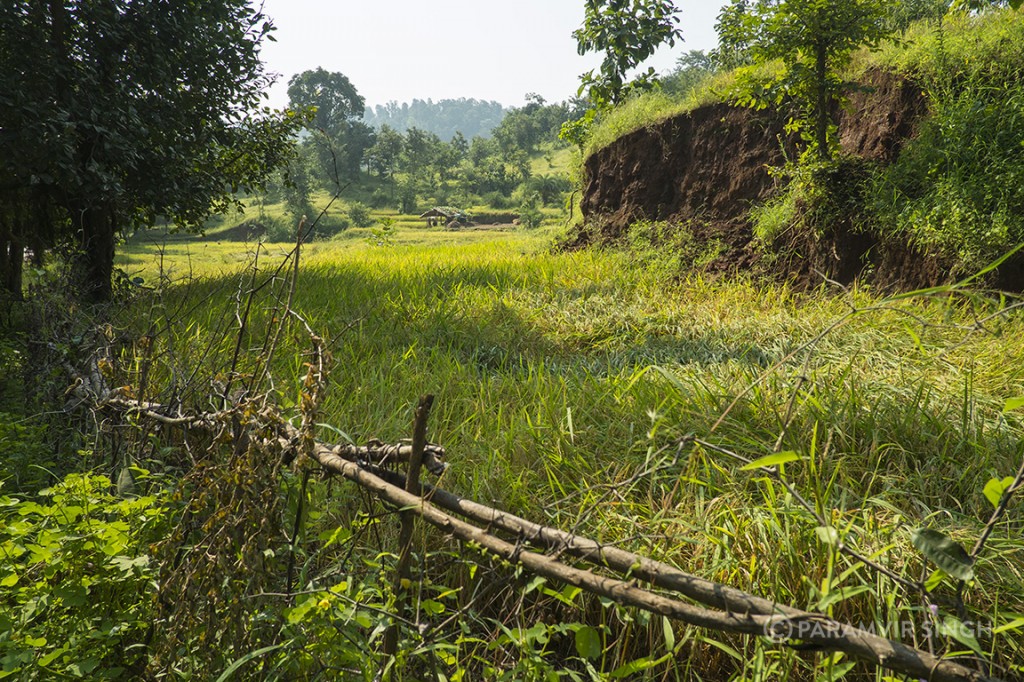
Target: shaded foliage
x=116 y=113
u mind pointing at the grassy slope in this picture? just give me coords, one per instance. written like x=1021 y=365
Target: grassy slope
x=557 y=374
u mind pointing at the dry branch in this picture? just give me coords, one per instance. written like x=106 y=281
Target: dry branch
x=815 y=630
x=732 y=610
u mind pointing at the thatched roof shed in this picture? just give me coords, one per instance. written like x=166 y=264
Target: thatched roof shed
x=445 y=215
x=444 y=212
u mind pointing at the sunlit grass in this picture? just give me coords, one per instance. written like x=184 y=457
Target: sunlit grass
x=560 y=376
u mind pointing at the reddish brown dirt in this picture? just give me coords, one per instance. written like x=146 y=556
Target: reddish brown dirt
x=706 y=168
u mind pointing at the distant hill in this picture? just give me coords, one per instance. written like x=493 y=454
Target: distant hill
x=444 y=118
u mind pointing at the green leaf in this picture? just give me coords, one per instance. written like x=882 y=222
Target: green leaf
x=841 y=594
x=1013 y=404
x=331 y=537
x=588 y=643
x=934 y=580
x=961 y=632
x=568 y=594
x=536 y=582
x=837 y=672
x=298 y=613
x=722 y=646
x=771 y=460
x=669 y=632
x=434 y=608
x=995 y=488
x=944 y=552
x=248 y=657
x=1012 y=626
x=827 y=534
x=639 y=665
x=9 y=580
x=83 y=668
x=52 y=656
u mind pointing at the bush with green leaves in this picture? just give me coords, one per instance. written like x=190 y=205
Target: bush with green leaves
x=383 y=234
x=530 y=215
x=818 y=196
x=382 y=198
x=328 y=226
x=959 y=187
x=77 y=581
x=279 y=230
x=27 y=459
x=359 y=214
x=498 y=200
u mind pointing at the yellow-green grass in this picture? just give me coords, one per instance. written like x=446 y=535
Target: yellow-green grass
x=220 y=238
x=560 y=376
x=552 y=160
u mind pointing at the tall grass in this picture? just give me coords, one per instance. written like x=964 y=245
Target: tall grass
x=560 y=378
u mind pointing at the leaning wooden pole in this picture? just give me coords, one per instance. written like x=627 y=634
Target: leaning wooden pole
x=732 y=610
x=815 y=630
x=412 y=486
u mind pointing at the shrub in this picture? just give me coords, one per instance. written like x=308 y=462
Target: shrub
x=381 y=198
x=498 y=200
x=27 y=459
x=530 y=215
x=359 y=214
x=279 y=230
x=78 y=581
x=959 y=187
x=819 y=195
x=329 y=225
x=383 y=234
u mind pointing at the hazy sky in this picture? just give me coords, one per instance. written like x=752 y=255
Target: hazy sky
x=484 y=49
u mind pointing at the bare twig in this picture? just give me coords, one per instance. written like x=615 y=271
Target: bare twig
x=809 y=628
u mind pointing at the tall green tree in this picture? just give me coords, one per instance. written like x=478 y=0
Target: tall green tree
x=691 y=68
x=627 y=32
x=984 y=4
x=333 y=97
x=387 y=150
x=115 y=112
x=338 y=111
x=814 y=39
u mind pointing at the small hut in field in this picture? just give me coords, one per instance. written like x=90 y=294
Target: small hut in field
x=445 y=215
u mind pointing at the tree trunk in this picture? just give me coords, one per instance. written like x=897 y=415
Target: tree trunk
x=5 y=245
x=821 y=115
x=15 y=265
x=96 y=261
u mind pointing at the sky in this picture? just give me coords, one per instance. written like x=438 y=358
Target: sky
x=497 y=50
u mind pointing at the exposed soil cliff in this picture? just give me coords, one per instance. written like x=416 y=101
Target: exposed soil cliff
x=706 y=168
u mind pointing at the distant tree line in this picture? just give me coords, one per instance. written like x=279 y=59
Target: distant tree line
x=444 y=118
x=417 y=165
